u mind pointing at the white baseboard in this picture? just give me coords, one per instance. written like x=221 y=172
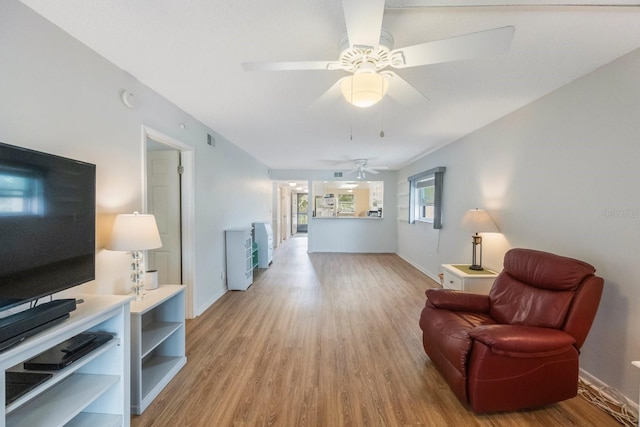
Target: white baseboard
x=429 y=274
x=201 y=309
x=603 y=387
x=608 y=399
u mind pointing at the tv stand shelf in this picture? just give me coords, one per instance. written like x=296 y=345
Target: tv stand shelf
x=157 y=343
x=94 y=390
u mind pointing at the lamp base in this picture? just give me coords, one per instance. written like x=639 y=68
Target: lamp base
x=138 y=291
x=476 y=264
x=137 y=275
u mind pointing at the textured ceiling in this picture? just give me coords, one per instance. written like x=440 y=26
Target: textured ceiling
x=191 y=53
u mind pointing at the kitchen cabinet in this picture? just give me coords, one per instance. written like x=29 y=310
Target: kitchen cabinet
x=325 y=206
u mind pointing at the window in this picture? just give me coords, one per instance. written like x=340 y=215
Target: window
x=425 y=197
x=346 y=203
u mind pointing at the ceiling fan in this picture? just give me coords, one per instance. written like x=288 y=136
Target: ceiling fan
x=367 y=52
x=361 y=168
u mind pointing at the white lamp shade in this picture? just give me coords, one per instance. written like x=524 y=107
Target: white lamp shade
x=479 y=221
x=364 y=89
x=134 y=232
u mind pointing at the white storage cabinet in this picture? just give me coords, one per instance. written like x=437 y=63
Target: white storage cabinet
x=157 y=343
x=239 y=258
x=92 y=391
x=264 y=239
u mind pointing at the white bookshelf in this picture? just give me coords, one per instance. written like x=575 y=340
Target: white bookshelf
x=157 y=343
x=402 y=204
x=239 y=251
x=92 y=391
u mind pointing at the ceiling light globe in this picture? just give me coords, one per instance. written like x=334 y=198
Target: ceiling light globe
x=364 y=89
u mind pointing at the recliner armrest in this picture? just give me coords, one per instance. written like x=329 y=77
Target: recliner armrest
x=458 y=301
x=522 y=341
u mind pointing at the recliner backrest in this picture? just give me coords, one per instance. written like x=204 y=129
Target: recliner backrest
x=537 y=289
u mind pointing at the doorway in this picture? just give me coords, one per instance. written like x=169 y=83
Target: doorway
x=170 y=163
x=164 y=201
x=302 y=206
x=290 y=204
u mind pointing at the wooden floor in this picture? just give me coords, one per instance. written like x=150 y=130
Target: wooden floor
x=325 y=340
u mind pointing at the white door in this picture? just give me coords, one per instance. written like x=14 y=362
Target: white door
x=294 y=213
x=163 y=200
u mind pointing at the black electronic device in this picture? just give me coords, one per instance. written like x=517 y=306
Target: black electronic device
x=20 y=383
x=47 y=230
x=68 y=351
x=16 y=327
x=47 y=224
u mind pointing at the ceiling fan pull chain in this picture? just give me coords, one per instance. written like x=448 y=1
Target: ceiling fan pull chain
x=351 y=127
x=382 y=109
x=352 y=109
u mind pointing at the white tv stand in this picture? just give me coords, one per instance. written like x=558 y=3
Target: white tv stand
x=93 y=391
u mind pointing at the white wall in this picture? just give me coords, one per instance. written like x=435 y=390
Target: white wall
x=357 y=235
x=58 y=96
x=560 y=175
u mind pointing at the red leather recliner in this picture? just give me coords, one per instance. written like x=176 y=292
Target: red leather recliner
x=517 y=347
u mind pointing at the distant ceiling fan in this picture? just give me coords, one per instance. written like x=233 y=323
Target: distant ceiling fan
x=367 y=50
x=361 y=168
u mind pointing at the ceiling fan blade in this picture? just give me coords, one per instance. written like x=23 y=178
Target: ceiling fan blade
x=329 y=97
x=290 y=66
x=372 y=171
x=403 y=92
x=364 y=21
x=403 y=4
x=467 y=46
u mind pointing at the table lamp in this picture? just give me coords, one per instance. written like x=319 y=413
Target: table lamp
x=135 y=233
x=478 y=221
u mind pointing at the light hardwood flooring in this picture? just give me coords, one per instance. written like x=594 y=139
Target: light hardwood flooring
x=325 y=340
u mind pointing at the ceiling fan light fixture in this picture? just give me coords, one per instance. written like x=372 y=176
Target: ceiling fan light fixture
x=364 y=89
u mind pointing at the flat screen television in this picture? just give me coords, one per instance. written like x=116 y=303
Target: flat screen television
x=47 y=224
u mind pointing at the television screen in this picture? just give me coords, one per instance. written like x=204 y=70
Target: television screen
x=47 y=224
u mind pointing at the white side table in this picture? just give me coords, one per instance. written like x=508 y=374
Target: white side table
x=460 y=277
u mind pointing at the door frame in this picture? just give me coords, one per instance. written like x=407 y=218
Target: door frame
x=294 y=213
x=187 y=206
x=298 y=195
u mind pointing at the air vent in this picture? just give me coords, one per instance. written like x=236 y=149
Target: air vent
x=337 y=174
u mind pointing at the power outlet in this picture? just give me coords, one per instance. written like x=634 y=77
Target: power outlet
x=222 y=275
